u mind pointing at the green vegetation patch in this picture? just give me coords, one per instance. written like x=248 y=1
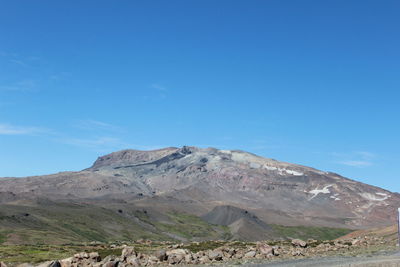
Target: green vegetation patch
x=206 y=245
x=190 y=226
x=310 y=232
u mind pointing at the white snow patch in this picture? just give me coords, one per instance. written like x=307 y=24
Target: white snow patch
x=254 y=165
x=317 y=191
x=295 y=173
x=282 y=171
x=335 y=198
x=382 y=194
x=373 y=197
x=270 y=168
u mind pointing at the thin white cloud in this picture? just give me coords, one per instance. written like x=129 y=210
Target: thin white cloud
x=92 y=142
x=159 y=87
x=359 y=159
x=20 y=86
x=365 y=154
x=18 y=62
x=159 y=91
x=356 y=163
x=7 y=129
x=96 y=125
x=96 y=143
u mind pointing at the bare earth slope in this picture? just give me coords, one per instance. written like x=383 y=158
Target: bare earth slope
x=195 y=180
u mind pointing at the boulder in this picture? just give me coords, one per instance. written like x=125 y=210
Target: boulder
x=127 y=252
x=111 y=264
x=82 y=255
x=94 y=256
x=250 y=254
x=153 y=260
x=109 y=261
x=177 y=251
x=161 y=255
x=204 y=259
x=25 y=265
x=50 y=264
x=175 y=258
x=297 y=253
x=44 y=264
x=188 y=258
x=299 y=243
x=215 y=255
x=66 y=262
x=132 y=261
x=265 y=249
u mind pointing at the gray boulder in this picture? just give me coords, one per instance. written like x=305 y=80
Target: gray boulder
x=299 y=243
x=250 y=254
x=127 y=252
x=215 y=255
x=161 y=255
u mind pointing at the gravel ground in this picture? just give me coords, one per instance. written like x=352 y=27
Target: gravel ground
x=382 y=259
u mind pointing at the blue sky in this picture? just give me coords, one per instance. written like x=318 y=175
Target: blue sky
x=308 y=82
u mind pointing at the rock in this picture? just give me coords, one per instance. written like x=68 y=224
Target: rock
x=264 y=249
x=238 y=255
x=230 y=252
x=188 y=258
x=153 y=259
x=55 y=264
x=110 y=264
x=276 y=252
x=66 y=262
x=2 y=264
x=45 y=264
x=177 y=251
x=215 y=255
x=109 y=261
x=127 y=252
x=250 y=254
x=161 y=255
x=204 y=259
x=94 y=256
x=82 y=255
x=297 y=253
x=175 y=258
x=50 y=264
x=25 y=265
x=299 y=243
x=133 y=261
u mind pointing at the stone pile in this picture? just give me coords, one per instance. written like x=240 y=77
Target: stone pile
x=177 y=254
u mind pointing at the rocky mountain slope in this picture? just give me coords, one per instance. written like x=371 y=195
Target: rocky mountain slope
x=193 y=181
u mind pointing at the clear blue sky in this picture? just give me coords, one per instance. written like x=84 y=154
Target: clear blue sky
x=309 y=82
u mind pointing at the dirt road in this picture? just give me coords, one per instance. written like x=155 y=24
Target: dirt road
x=382 y=260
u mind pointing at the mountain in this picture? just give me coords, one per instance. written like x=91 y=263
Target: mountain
x=181 y=189
x=243 y=225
